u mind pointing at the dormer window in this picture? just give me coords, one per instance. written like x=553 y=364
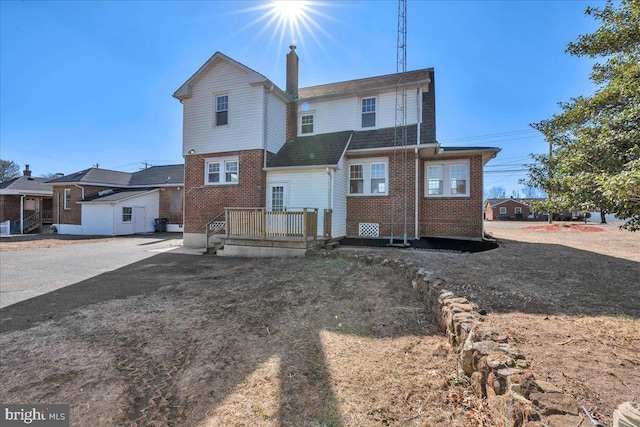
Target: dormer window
x=306 y=124
x=222 y=110
x=368 y=112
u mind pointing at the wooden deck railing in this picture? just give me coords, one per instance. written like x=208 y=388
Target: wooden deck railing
x=260 y=223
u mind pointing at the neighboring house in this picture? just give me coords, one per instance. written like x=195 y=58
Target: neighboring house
x=512 y=209
x=26 y=202
x=106 y=202
x=247 y=143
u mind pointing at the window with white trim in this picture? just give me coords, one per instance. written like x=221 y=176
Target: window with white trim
x=222 y=110
x=368 y=112
x=356 y=179
x=127 y=214
x=518 y=210
x=67 y=198
x=221 y=170
x=447 y=179
x=306 y=124
x=369 y=177
x=503 y=210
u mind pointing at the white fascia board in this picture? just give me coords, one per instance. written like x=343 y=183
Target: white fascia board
x=360 y=92
x=383 y=149
x=509 y=200
x=294 y=168
x=7 y=192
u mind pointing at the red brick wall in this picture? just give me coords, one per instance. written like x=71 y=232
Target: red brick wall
x=388 y=211
x=438 y=217
x=73 y=215
x=511 y=210
x=454 y=216
x=9 y=208
x=203 y=202
x=171 y=202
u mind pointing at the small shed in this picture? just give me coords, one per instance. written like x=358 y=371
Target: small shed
x=120 y=213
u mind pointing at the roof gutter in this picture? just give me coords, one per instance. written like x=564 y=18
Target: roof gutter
x=382 y=149
x=285 y=168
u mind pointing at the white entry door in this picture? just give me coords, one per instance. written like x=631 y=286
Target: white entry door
x=278 y=197
x=139 y=220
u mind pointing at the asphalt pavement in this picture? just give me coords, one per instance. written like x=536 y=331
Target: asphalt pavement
x=30 y=273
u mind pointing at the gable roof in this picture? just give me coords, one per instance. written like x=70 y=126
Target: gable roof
x=185 y=91
x=153 y=176
x=117 y=196
x=318 y=150
x=26 y=185
x=364 y=85
x=524 y=202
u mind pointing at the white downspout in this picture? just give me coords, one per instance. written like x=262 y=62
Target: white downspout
x=417 y=196
x=81 y=188
x=58 y=211
x=22 y=214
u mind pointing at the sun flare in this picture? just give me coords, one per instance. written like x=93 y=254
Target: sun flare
x=289 y=10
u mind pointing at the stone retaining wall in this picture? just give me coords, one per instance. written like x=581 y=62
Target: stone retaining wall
x=497 y=371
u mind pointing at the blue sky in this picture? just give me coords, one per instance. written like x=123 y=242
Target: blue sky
x=91 y=82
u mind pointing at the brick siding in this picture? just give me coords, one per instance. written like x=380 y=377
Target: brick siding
x=9 y=208
x=203 y=202
x=73 y=215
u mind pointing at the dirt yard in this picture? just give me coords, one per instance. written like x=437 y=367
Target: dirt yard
x=220 y=342
x=568 y=297
x=333 y=342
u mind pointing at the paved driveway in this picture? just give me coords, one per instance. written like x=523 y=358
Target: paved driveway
x=29 y=273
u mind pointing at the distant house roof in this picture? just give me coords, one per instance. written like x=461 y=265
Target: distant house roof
x=150 y=177
x=117 y=196
x=525 y=202
x=318 y=150
x=364 y=85
x=26 y=185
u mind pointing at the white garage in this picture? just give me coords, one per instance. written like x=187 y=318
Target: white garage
x=121 y=213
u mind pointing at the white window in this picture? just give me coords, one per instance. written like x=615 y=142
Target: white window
x=127 y=214
x=306 y=124
x=67 y=198
x=435 y=179
x=356 y=179
x=368 y=112
x=378 y=178
x=503 y=210
x=221 y=170
x=518 y=210
x=222 y=110
x=447 y=179
x=369 y=177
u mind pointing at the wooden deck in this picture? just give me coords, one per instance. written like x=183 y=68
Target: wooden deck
x=295 y=229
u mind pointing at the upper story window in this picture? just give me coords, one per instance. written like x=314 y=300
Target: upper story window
x=221 y=171
x=447 y=179
x=369 y=177
x=368 y=112
x=222 y=110
x=306 y=124
x=67 y=198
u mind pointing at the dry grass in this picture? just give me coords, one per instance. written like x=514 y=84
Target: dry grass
x=246 y=342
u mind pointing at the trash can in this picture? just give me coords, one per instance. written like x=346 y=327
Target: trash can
x=161 y=225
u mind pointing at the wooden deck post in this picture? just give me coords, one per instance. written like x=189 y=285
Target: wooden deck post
x=304 y=224
x=263 y=212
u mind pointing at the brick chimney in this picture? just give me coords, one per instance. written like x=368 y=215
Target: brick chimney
x=26 y=171
x=292 y=91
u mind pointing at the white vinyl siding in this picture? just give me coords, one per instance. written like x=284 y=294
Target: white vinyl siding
x=276 y=125
x=339 y=200
x=221 y=170
x=244 y=130
x=447 y=179
x=368 y=177
x=336 y=115
x=106 y=219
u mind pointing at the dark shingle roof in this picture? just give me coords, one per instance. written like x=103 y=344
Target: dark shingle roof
x=26 y=184
x=385 y=138
x=318 y=150
x=155 y=175
x=362 y=85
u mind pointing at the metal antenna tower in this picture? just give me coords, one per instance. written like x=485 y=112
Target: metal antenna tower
x=400 y=160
